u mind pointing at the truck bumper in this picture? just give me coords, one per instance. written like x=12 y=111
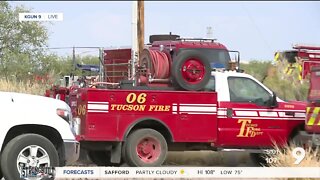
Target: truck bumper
x=72 y=150
x=313 y=139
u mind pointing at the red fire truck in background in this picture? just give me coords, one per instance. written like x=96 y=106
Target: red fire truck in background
x=183 y=94
x=306 y=59
x=313 y=108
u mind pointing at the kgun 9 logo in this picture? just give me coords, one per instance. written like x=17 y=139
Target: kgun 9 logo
x=297 y=153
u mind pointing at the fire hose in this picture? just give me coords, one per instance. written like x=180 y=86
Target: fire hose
x=159 y=61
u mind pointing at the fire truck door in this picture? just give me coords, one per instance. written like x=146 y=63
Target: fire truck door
x=246 y=116
x=198 y=121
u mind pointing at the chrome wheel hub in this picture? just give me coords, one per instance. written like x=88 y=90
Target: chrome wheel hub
x=33 y=156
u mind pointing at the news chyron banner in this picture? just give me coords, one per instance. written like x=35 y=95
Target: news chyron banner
x=182 y=172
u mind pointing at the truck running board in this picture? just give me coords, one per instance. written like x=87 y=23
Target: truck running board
x=243 y=150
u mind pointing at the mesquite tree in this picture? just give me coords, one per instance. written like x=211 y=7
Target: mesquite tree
x=21 y=43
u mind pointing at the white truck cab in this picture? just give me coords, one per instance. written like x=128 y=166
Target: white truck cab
x=231 y=85
x=35 y=132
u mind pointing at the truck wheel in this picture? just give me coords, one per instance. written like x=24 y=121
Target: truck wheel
x=298 y=141
x=27 y=150
x=191 y=70
x=101 y=158
x=145 y=147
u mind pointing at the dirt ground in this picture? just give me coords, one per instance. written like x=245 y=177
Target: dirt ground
x=209 y=158
x=199 y=159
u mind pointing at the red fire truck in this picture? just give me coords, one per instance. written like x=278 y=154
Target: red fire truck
x=181 y=96
x=306 y=58
x=313 y=108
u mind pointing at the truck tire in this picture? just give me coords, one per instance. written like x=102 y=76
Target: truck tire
x=191 y=70
x=297 y=141
x=33 y=147
x=145 y=148
x=258 y=159
x=101 y=158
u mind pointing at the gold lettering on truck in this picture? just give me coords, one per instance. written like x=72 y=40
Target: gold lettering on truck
x=139 y=99
x=126 y=107
x=248 y=129
x=82 y=110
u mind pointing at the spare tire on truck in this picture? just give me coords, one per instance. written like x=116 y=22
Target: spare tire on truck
x=191 y=70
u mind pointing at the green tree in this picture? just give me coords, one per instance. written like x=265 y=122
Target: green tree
x=258 y=69
x=286 y=87
x=21 y=42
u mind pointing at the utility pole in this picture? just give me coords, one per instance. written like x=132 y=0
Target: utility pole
x=140 y=26
x=137 y=34
x=134 y=42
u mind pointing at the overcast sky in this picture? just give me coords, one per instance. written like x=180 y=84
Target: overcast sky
x=256 y=29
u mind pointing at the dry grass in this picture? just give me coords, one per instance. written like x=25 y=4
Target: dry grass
x=21 y=87
x=285 y=159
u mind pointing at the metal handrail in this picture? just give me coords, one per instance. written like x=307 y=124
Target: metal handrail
x=197 y=39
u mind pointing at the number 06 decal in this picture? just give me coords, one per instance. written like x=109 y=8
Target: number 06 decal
x=82 y=110
x=140 y=99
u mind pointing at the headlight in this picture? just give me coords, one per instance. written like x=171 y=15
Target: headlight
x=64 y=114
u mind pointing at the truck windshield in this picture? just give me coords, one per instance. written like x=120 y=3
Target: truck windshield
x=218 y=57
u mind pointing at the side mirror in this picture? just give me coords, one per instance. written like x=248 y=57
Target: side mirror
x=273 y=103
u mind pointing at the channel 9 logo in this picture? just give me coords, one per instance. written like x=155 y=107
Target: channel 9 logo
x=37 y=172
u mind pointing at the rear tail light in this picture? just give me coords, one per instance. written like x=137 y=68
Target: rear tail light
x=64 y=114
x=76 y=125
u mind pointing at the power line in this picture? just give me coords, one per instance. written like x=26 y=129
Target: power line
x=257 y=28
x=80 y=47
